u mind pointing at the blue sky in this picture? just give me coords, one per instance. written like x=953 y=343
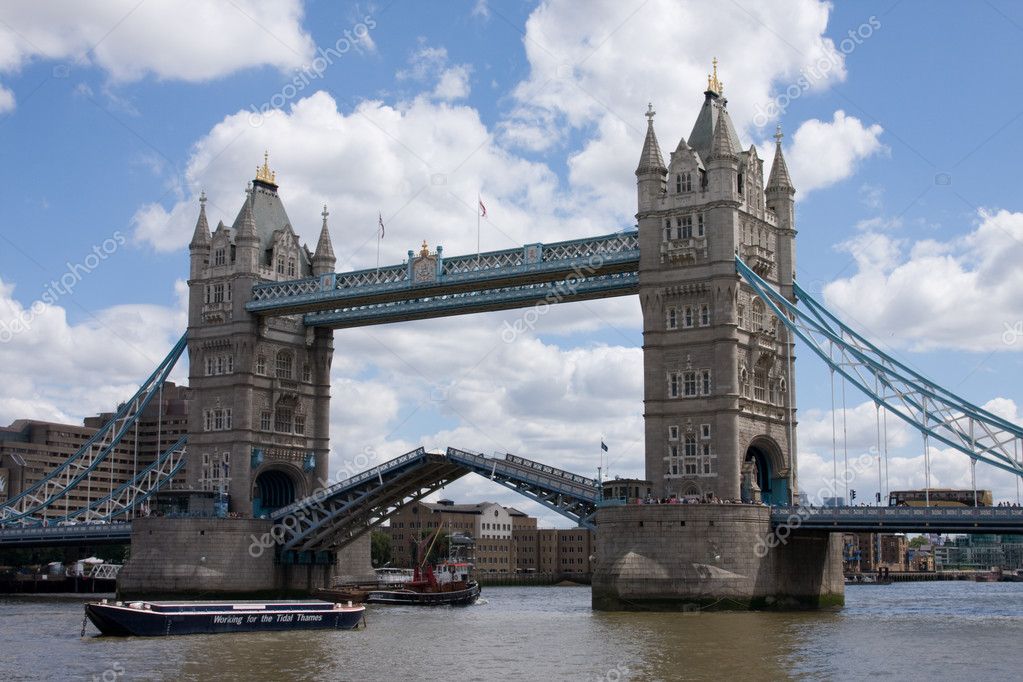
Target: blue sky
x=115 y=116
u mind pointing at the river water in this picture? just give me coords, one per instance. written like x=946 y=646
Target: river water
x=906 y=631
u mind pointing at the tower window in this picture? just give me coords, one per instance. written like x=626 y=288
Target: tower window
x=705 y=382
x=280 y=265
x=218 y=293
x=673 y=385
x=744 y=382
x=683 y=182
x=689 y=387
x=705 y=431
x=291 y=267
x=307 y=372
x=283 y=365
x=283 y=420
x=672 y=318
x=673 y=432
x=759 y=384
x=757 y=320
x=685 y=227
x=265 y=420
x=687 y=319
x=704 y=315
x=741 y=316
x=667 y=229
x=678 y=184
x=699 y=225
x=219 y=257
x=299 y=424
x=690 y=450
x=260 y=364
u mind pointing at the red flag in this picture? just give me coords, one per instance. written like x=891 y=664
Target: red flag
x=483 y=209
x=381 y=221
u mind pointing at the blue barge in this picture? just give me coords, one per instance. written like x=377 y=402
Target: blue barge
x=153 y=618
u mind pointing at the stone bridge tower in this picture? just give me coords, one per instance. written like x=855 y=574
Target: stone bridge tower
x=719 y=399
x=259 y=414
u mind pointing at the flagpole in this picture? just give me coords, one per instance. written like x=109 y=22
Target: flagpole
x=380 y=222
x=479 y=202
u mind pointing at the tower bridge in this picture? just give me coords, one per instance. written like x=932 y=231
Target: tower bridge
x=712 y=261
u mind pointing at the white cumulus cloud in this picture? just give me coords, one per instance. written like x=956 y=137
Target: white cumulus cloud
x=960 y=294
x=826 y=152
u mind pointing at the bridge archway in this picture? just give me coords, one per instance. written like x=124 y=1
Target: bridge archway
x=274 y=488
x=762 y=465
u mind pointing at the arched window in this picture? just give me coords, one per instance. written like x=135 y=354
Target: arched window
x=284 y=364
x=678 y=184
x=283 y=420
x=757 y=321
x=744 y=382
x=759 y=384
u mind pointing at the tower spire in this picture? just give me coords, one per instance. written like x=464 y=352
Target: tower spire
x=264 y=174
x=779 y=178
x=721 y=143
x=323 y=258
x=247 y=229
x=713 y=84
x=650 y=160
x=201 y=236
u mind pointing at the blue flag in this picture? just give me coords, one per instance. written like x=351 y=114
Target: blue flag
x=603 y=446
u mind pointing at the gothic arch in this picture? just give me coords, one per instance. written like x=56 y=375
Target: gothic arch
x=767 y=461
x=276 y=485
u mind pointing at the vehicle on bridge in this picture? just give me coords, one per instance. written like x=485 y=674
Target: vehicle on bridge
x=940 y=497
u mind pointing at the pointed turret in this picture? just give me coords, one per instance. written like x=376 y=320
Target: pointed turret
x=651 y=173
x=721 y=146
x=247 y=222
x=246 y=239
x=201 y=236
x=323 y=257
x=651 y=161
x=779 y=195
x=779 y=169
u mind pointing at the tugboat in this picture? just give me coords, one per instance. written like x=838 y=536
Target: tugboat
x=152 y=619
x=449 y=585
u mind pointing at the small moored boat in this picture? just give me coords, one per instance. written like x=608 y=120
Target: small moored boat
x=152 y=618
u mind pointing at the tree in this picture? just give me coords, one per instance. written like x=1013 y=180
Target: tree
x=918 y=541
x=380 y=548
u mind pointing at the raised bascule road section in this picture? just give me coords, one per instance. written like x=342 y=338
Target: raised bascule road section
x=712 y=263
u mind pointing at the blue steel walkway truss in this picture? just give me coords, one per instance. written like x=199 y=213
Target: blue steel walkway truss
x=575 y=270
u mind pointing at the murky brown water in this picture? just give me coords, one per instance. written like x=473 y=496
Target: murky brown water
x=907 y=631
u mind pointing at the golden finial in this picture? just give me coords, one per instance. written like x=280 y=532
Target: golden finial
x=425 y=251
x=264 y=174
x=713 y=84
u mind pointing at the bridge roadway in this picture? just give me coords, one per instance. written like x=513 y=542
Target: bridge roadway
x=66 y=536
x=1001 y=520
x=1008 y=520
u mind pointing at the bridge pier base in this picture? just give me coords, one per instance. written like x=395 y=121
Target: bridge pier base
x=693 y=557
x=226 y=558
